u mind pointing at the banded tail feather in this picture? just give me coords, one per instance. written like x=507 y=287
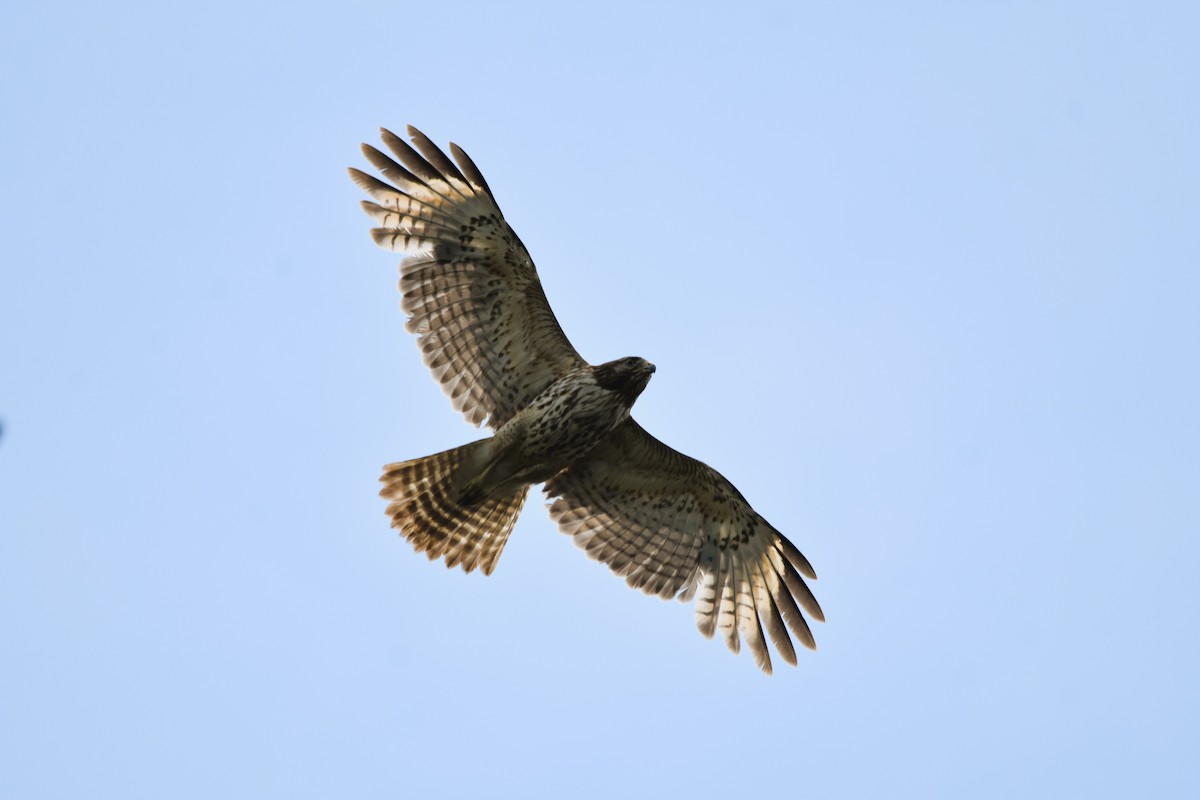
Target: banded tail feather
x=435 y=507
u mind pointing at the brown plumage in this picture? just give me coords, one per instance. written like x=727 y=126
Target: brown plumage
x=670 y=525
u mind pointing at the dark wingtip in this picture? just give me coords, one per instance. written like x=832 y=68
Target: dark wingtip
x=796 y=558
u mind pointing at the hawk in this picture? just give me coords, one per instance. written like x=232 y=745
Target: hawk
x=669 y=524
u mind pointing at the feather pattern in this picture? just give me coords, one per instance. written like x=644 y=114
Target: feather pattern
x=469 y=286
x=674 y=527
x=425 y=507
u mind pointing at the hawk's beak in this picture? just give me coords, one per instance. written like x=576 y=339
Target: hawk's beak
x=650 y=368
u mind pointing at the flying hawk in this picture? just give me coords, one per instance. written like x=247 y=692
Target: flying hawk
x=669 y=524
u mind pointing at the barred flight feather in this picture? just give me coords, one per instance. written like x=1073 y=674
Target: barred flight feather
x=470 y=289
x=674 y=527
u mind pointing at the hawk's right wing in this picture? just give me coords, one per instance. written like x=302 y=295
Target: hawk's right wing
x=470 y=288
x=674 y=526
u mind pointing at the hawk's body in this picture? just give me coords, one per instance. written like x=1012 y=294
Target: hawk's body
x=669 y=524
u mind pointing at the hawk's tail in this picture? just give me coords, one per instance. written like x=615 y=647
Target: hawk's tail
x=429 y=508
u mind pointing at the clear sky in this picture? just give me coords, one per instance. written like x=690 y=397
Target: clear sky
x=922 y=279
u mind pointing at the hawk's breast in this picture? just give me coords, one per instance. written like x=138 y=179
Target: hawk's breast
x=570 y=417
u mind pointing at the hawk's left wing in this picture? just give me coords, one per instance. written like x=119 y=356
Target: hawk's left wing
x=470 y=288
x=673 y=526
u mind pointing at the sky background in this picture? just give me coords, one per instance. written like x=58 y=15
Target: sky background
x=921 y=279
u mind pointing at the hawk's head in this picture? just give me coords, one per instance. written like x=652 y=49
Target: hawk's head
x=625 y=376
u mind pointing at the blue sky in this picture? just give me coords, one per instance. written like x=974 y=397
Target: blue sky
x=921 y=279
